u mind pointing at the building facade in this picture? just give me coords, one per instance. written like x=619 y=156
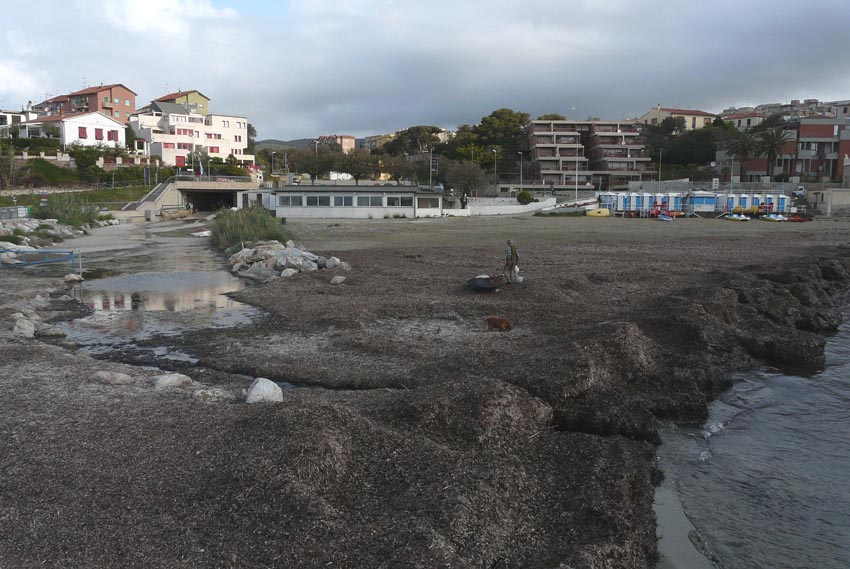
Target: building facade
x=597 y=155
x=694 y=119
x=85 y=129
x=361 y=202
x=345 y=142
x=744 y=121
x=174 y=133
x=115 y=101
x=192 y=100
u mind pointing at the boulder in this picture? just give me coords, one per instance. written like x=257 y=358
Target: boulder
x=73 y=278
x=345 y=266
x=48 y=331
x=264 y=390
x=337 y=280
x=23 y=327
x=331 y=263
x=310 y=256
x=17 y=316
x=309 y=266
x=113 y=378
x=290 y=243
x=8 y=258
x=171 y=380
x=14 y=247
x=321 y=262
x=286 y=273
x=296 y=263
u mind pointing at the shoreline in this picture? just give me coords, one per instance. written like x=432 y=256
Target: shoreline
x=403 y=366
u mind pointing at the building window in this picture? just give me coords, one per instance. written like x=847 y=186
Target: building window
x=370 y=201
x=407 y=201
x=237 y=138
x=284 y=201
x=168 y=145
x=106 y=100
x=127 y=102
x=428 y=203
x=320 y=201
x=117 y=113
x=214 y=150
x=81 y=132
x=98 y=134
x=116 y=100
x=693 y=122
x=343 y=201
x=399 y=201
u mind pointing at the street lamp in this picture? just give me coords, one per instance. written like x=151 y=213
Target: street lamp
x=660 y=154
x=576 y=200
x=495 y=176
x=271 y=170
x=520 y=170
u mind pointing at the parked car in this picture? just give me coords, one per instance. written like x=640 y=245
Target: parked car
x=799 y=192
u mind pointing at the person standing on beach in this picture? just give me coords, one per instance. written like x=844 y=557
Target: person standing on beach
x=511 y=261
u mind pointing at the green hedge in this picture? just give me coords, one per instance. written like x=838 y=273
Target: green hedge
x=37 y=144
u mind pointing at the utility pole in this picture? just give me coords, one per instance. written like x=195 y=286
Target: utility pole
x=495 y=176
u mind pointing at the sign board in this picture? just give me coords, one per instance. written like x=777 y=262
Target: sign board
x=715 y=183
x=434 y=163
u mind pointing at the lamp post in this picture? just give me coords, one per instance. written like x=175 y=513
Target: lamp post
x=495 y=176
x=576 y=201
x=271 y=170
x=660 y=154
x=520 y=170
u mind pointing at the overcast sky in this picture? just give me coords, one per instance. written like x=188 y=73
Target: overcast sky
x=303 y=68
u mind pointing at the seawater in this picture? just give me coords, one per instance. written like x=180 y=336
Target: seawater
x=766 y=481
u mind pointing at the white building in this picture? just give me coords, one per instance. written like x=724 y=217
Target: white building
x=86 y=129
x=361 y=202
x=173 y=132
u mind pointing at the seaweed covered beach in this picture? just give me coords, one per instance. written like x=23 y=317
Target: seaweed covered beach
x=410 y=435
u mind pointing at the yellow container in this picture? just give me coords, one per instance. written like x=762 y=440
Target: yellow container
x=599 y=212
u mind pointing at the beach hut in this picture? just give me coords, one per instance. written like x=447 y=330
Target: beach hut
x=702 y=202
x=783 y=203
x=674 y=201
x=622 y=201
x=635 y=202
x=609 y=201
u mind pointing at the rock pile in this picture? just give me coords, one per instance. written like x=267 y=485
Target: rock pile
x=28 y=324
x=267 y=260
x=26 y=234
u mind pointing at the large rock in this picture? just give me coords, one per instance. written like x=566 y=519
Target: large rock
x=24 y=327
x=344 y=265
x=331 y=263
x=113 y=378
x=310 y=256
x=337 y=280
x=171 y=380
x=73 y=278
x=286 y=273
x=48 y=331
x=308 y=265
x=14 y=247
x=296 y=263
x=9 y=258
x=264 y=390
x=290 y=243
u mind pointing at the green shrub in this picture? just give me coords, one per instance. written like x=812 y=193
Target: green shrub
x=55 y=175
x=247 y=225
x=105 y=217
x=47 y=145
x=44 y=226
x=524 y=197
x=68 y=209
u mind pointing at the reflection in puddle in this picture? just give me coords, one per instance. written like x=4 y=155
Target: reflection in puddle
x=137 y=306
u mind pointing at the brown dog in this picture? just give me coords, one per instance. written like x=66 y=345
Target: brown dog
x=500 y=324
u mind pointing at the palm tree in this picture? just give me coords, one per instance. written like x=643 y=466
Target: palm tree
x=744 y=146
x=771 y=144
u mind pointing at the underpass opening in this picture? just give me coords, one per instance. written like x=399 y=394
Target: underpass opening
x=210 y=200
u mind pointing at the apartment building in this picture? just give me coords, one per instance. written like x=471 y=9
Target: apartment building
x=345 y=142
x=374 y=142
x=694 y=119
x=816 y=151
x=173 y=132
x=115 y=101
x=567 y=154
x=192 y=100
x=744 y=121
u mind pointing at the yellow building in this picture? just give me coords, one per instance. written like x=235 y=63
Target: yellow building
x=693 y=119
x=193 y=100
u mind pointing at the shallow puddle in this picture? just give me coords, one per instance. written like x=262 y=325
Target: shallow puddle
x=135 y=307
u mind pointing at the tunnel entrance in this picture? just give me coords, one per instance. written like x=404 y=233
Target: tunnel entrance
x=210 y=200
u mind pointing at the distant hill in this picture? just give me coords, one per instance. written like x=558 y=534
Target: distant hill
x=275 y=144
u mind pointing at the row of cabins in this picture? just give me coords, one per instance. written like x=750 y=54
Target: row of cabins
x=696 y=202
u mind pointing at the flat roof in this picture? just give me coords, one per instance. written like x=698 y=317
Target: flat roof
x=307 y=188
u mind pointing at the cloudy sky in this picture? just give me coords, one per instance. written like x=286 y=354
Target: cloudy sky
x=302 y=68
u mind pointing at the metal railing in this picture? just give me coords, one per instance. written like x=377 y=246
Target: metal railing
x=44 y=257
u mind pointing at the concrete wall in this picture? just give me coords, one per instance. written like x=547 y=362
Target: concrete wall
x=505 y=206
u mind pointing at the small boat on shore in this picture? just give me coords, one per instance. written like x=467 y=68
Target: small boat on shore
x=774 y=217
x=737 y=217
x=486 y=283
x=599 y=212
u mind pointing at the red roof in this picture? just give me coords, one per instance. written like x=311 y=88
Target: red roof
x=56 y=98
x=172 y=96
x=91 y=90
x=687 y=112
